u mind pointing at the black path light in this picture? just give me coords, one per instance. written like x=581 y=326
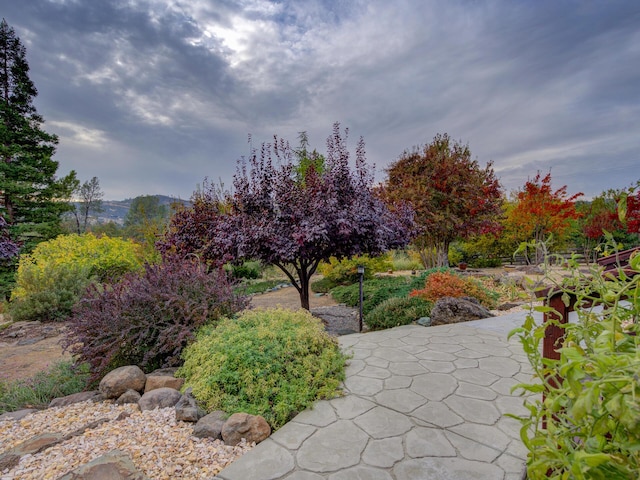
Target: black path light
x=361 y=278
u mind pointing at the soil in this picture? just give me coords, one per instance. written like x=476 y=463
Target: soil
x=27 y=348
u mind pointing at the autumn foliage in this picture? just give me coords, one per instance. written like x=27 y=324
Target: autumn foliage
x=452 y=196
x=448 y=284
x=280 y=218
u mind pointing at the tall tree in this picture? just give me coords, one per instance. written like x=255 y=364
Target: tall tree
x=29 y=189
x=541 y=211
x=275 y=217
x=89 y=196
x=452 y=196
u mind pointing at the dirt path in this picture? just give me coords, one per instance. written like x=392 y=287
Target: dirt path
x=27 y=348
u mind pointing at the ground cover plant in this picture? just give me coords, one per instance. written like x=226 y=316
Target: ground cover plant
x=51 y=279
x=397 y=311
x=60 y=379
x=147 y=319
x=591 y=394
x=273 y=363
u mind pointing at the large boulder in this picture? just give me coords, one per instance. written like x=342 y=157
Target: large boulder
x=159 y=381
x=187 y=410
x=253 y=428
x=159 y=398
x=455 y=310
x=210 y=425
x=118 y=381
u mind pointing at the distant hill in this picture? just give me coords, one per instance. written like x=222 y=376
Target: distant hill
x=116 y=210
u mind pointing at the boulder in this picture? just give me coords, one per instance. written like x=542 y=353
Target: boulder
x=93 y=395
x=253 y=428
x=187 y=410
x=210 y=425
x=17 y=415
x=118 y=381
x=114 y=465
x=160 y=381
x=130 y=396
x=159 y=398
x=449 y=310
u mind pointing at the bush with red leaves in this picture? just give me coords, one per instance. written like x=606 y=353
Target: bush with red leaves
x=147 y=319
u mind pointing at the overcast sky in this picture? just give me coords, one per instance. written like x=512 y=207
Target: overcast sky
x=152 y=96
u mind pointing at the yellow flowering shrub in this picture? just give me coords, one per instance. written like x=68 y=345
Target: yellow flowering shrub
x=50 y=280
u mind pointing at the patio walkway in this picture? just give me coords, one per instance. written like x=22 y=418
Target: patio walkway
x=420 y=403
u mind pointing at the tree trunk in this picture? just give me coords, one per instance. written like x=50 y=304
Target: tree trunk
x=304 y=290
x=442 y=254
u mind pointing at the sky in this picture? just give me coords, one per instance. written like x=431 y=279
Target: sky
x=154 y=96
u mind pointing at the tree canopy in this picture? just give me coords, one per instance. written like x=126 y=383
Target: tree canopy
x=274 y=217
x=452 y=196
x=29 y=189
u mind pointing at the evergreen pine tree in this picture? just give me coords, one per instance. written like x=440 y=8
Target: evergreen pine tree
x=30 y=193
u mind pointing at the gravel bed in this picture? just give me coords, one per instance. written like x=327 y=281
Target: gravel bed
x=158 y=445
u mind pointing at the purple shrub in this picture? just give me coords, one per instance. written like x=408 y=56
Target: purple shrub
x=147 y=319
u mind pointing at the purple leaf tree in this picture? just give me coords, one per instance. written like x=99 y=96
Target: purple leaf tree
x=294 y=223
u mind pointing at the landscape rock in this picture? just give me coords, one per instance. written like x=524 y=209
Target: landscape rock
x=160 y=381
x=210 y=425
x=17 y=415
x=114 y=465
x=449 y=310
x=159 y=398
x=187 y=410
x=164 y=372
x=130 y=396
x=118 y=381
x=93 y=395
x=424 y=321
x=253 y=428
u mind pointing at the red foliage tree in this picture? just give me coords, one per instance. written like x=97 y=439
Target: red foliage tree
x=540 y=211
x=452 y=196
x=275 y=217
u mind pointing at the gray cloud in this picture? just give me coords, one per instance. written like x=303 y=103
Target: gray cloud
x=151 y=96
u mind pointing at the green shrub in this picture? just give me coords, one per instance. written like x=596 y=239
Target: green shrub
x=591 y=393
x=273 y=363
x=377 y=290
x=50 y=280
x=401 y=260
x=61 y=379
x=345 y=271
x=249 y=270
x=486 y=262
x=397 y=311
x=323 y=285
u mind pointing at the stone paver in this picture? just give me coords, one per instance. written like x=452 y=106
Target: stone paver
x=419 y=403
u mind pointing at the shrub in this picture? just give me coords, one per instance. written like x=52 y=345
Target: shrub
x=397 y=311
x=273 y=363
x=377 y=290
x=50 y=280
x=591 y=393
x=61 y=379
x=448 y=284
x=249 y=270
x=403 y=260
x=251 y=288
x=323 y=285
x=147 y=319
x=345 y=271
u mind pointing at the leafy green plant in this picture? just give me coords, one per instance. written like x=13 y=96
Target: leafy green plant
x=60 y=379
x=50 y=280
x=591 y=394
x=147 y=319
x=345 y=271
x=249 y=270
x=403 y=260
x=377 y=290
x=397 y=311
x=273 y=363
x=323 y=285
